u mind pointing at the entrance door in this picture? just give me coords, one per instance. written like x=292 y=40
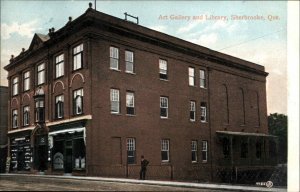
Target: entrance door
x=42 y=153
x=69 y=157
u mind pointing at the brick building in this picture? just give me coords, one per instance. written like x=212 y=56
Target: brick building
x=95 y=95
x=3 y=127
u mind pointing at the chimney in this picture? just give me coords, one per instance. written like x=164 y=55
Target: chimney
x=12 y=58
x=90 y=5
x=23 y=50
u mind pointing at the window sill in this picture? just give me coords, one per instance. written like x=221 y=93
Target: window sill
x=118 y=70
x=60 y=118
x=203 y=121
x=164 y=79
x=193 y=86
x=203 y=87
x=164 y=117
x=76 y=115
x=130 y=115
x=75 y=70
x=130 y=73
x=192 y=121
x=118 y=114
x=194 y=162
x=25 y=91
x=165 y=162
x=57 y=78
x=243 y=125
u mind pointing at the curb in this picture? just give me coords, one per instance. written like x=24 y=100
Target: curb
x=160 y=183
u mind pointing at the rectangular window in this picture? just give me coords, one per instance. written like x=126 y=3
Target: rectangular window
x=163 y=69
x=26 y=114
x=59 y=107
x=114 y=101
x=194 y=151
x=164 y=105
x=165 y=150
x=202 y=79
x=77 y=57
x=129 y=62
x=114 y=58
x=39 y=111
x=59 y=66
x=192 y=111
x=130 y=103
x=191 y=76
x=78 y=102
x=204 y=151
x=15 y=86
x=15 y=118
x=26 y=81
x=203 y=112
x=41 y=74
x=131 y=151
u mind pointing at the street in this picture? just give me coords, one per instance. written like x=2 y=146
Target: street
x=29 y=183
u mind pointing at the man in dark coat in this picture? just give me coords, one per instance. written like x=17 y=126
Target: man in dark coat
x=144 y=164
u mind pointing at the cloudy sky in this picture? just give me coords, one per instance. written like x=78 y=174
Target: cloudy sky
x=260 y=41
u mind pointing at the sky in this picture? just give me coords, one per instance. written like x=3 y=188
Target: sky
x=262 y=41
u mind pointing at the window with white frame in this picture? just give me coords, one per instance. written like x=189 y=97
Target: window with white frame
x=165 y=150
x=191 y=76
x=194 y=151
x=59 y=66
x=78 y=102
x=164 y=105
x=26 y=114
x=41 y=74
x=163 y=69
x=192 y=111
x=59 y=106
x=77 y=57
x=15 y=86
x=15 y=118
x=204 y=151
x=26 y=81
x=130 y=103
x=114 y=101
x=114 y=58
x=203 y=112
x=131 y=151
x=129 y=62
x=202 y=79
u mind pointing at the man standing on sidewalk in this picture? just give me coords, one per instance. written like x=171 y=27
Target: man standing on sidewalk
x=144 y=164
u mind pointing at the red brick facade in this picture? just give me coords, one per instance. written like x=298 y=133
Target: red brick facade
x=234 y=97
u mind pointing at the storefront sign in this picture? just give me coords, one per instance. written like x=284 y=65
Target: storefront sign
x=58 y=161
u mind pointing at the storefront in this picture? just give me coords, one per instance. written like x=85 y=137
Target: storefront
x=21 y=153
x=67 y=148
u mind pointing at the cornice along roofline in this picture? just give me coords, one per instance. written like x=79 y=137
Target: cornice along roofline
x=114 y=24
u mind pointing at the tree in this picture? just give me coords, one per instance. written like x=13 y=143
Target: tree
x=277 y=124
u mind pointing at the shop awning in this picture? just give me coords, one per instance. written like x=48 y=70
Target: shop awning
x=233 y=133
x=73 y=130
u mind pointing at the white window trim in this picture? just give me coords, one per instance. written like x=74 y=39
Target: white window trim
x=41 y=74
x=167 y=107
x=15 y=86
x=163 y=68
x=115 y=97
x=163 y=143
x=131 y=61
x=59 y=61
x=202 y=108
x=194 y=102
x=26 y=79
x=191 y=75
x=205 y=148
x=201 y=86
x=195 y=143
x=114 y=54
x=78 y=50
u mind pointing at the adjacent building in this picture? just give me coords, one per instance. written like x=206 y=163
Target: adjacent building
x=3 y=127
x=95 y=95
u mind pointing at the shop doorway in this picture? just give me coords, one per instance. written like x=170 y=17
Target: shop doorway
x=69 y=156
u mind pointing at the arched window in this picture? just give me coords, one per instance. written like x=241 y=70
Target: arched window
x=242 y=102
x=78 y=101
x=59 y=107
x=26 y=115
x=15 y=118
x=225 y=107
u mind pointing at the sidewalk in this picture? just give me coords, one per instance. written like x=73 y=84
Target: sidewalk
x=161 y=183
